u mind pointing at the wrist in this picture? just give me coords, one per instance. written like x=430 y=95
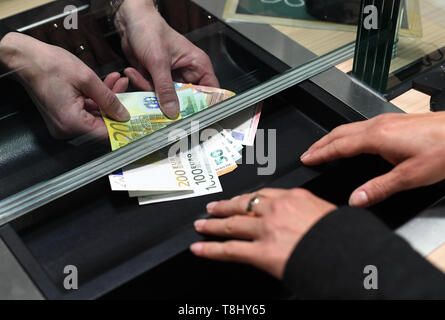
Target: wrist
x=134 y=10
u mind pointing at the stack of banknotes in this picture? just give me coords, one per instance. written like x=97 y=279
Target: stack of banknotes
x=195 y=171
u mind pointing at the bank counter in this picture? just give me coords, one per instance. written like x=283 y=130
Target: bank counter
x=57 y=209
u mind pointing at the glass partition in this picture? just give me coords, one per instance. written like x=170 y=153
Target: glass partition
x=61 y=127
x=418 y=54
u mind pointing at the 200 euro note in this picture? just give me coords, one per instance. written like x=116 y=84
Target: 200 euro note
x=147 y=117
x=156 y=173
x=203 y=181
x=160 y=174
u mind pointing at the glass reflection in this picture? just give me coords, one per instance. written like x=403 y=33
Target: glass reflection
x=61 y=73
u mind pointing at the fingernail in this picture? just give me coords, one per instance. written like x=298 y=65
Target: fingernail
x=171 y=109
x=210 y=206
x=196 y=247
x=199 y=224
x=236 y=197
x=131 y=75
x=305 y=156
x=358 y=199
x=123 y=114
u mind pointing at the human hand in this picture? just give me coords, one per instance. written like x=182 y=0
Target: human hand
x=67 y=93
x=413 y=143
x=152 y=46
x=282 y=218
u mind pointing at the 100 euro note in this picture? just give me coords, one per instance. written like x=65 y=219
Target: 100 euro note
x=160 y=174
x=197 y=173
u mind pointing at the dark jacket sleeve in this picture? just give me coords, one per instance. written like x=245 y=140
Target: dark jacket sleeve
x=100 y=6
x=4 y=30
x=329 y=262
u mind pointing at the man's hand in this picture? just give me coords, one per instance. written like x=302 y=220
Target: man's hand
x=282 y=218
x=67 y=93
x=152 y=46
x=415 y=144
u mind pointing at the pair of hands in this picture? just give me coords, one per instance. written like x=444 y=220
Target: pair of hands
x=414 y=144
x=69 y=94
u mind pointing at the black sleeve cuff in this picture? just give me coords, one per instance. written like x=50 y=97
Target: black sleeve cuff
x=4 y=30
x=329 y=261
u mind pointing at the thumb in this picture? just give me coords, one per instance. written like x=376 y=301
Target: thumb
x=104 y=98
x=382 y=187
x=164 y=87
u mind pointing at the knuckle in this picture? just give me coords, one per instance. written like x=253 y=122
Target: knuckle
x=336 y=147
x=402 y=177
x=385 y=117
x=155 y=58
x=338 y=129
x=281 y=205
x=230 y=224
x=266 y=191
x=86 y=77
x=165 y=89
x=382 y=130
x=229 y=249
x=110 y=100
x=300 y=193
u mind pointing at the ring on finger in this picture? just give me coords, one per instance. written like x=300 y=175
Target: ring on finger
x=252 y=203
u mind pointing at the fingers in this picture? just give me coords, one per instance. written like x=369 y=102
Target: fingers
x=160 y=71
x=209 y=80
x=111 y=79
x=344 y=147
x=238 y=227
x=202 y=74
x=138 y=80
x=115 y=83
x=233 y=251
x=238 y=205
x=104 y=98
x=382 y=187
x=337 y=133
x=121 y=85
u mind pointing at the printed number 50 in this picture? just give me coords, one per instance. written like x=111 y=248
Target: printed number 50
x=290 y=3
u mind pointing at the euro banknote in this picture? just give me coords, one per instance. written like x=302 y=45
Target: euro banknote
x=159 y=173
x=147 y=117
x=243 y=125
x=196 y=177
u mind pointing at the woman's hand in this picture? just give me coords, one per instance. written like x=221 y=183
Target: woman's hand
x=67 y=93
x=415 y=144
x=152 y=46
x=282 y=218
